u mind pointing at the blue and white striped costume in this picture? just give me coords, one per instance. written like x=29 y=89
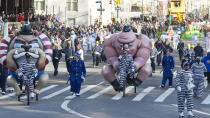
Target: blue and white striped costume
x=198 y=70
x=26 y=72
x=182 y=79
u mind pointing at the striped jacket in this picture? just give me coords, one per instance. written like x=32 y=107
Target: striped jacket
x=182 y=79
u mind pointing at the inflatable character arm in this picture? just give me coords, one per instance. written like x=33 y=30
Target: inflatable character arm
x=110 y=52
x=143 y=53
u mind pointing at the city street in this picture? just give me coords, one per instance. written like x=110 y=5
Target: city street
x=99 y=100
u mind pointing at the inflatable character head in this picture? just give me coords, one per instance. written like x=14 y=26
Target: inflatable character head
x=14 y=49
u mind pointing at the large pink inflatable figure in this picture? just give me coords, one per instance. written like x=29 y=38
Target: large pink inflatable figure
x=138 y=46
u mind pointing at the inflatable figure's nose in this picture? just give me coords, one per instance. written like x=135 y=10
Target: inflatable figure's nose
x=26 y=47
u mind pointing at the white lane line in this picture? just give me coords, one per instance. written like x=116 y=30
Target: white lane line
x=84 y=90
x=207 y=100
x=64 y=106
x=56 y=93
x=7 y=96
x=141 y=95
x=42 y=90
x=100 y=92
x=200 y=112
x=163 y=96
x=120 y=95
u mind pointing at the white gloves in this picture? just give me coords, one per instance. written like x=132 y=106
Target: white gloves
x=83 y=78
x=178 y=88
x=205 y=82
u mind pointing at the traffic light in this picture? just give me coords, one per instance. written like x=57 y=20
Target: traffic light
x=118 y=2
x=110 y=1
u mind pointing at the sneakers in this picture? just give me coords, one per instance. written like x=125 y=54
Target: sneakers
x=190 y=114
x=181 y=115
x=77 y=94
x=162 y=86
x=71 y=93
x=3 y=92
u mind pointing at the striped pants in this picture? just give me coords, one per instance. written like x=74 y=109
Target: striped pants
x=29 y=80
x=181 y=96
x=199 y=87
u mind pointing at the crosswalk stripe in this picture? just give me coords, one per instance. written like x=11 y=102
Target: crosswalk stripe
x=141 y=95
x=42 y=90
x=119 y=95
x=207 y=100
x=100 y=92
x=56 y=93
x=7 y=96
x=163 y=96
x=84 y=90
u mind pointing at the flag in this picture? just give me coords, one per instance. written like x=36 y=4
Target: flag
x=170 y=18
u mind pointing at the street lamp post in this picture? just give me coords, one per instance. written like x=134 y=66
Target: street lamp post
x=143 y=10
x=100 y=9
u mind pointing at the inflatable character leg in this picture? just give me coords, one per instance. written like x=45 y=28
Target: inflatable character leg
x=109 y=74
x=11 y=81
x=143 y=73
x=43 y=79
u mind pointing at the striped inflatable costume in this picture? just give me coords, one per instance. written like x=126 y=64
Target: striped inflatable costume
x=26 y=72
x=182 y=79
x=198 y=70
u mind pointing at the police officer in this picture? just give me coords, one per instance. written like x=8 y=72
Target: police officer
x=206 y=61
x=77 y=72
x=57 y=54
x=168 y=66
x=180 y=49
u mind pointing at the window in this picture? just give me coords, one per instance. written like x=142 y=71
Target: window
x=72 y=5
x=39 y=5
x=71 y=21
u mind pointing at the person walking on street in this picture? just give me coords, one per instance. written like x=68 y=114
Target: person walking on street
x=184 y=87
x=69 y=53
x=180 y=49
x=77 y=72
x=198 y=70
x=153 y=54
x=97 y=54
x=198 y=50
x=3 y=79
x=168 y=66
x=167 y=47
x=192 y=59
x=159 y=46
x=57 y=54
x=206 y=61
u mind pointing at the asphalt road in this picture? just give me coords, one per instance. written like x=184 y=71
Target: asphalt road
x=99 y=100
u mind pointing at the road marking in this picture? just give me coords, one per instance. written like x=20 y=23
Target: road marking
x=84 y=90
x=163 y=96
x=207 y=100
x=7 y=96
x=56 y=93
x=120 y=95
x=141 y=95
x=200 y=112
x=42 y=90
x=64 y=106
x=100 y=92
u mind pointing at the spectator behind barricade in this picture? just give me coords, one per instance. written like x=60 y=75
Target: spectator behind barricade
x=20 y=18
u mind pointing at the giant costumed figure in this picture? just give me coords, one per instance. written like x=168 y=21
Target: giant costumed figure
x=13 y=50
x=138 y=47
